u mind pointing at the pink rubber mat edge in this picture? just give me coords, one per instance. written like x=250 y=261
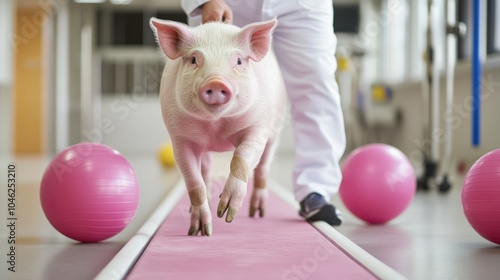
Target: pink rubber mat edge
x=279 y=246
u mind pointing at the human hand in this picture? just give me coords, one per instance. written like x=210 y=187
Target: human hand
x=216 y=10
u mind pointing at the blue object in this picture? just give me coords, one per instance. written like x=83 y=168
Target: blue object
x=476 y=76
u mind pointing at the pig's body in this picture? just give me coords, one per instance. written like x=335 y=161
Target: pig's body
x=221 y=90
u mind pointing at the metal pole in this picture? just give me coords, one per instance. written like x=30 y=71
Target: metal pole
x=476 y=75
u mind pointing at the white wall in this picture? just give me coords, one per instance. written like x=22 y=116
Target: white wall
x=130 y=123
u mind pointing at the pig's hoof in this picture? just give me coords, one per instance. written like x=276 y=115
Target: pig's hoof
x=231 y=199
x=223 y=207
x=201 y=220
x=205 y=229
x=258 y=202
x=254 y=210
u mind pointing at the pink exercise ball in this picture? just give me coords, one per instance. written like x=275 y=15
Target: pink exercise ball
x=481 y=196
x=378 y=183
x=89 y=192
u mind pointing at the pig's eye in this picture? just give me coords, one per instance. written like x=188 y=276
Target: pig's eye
x=238 y=61
x=193 y=60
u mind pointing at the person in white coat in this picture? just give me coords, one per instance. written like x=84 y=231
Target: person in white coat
x=304 y=43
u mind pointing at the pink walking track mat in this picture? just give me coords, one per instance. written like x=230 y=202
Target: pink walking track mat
x=279 y=246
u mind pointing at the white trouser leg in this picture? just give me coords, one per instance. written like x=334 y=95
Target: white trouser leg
x=305 y=44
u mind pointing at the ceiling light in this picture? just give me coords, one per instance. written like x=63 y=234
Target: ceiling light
x=121 y=2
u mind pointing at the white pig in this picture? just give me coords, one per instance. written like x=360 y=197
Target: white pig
x=221 y=90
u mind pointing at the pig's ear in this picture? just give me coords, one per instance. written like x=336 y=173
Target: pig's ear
x=257 y=36
x=170 y=35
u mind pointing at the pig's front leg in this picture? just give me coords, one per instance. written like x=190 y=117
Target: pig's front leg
x=244 y=160
x=189 y=165
x=206 y=162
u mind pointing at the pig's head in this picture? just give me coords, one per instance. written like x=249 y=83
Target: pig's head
x=215 y=78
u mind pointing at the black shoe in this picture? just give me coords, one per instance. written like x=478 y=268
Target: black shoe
x=315 y=208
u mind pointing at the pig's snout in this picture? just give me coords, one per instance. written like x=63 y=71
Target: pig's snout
x=215 y=92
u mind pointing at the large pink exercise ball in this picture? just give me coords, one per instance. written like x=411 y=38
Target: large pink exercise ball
x=378 y=183
x=481 y=196
x=89 y=192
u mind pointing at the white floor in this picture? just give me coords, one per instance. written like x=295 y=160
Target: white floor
x=430 y=240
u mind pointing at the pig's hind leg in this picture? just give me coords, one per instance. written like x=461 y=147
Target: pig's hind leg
x=260 y=192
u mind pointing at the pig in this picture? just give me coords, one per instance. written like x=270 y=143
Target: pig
x=221 y=90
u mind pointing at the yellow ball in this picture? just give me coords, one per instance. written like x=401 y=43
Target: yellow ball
x=166 y=155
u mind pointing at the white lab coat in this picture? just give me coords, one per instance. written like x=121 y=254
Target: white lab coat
x=304 y=43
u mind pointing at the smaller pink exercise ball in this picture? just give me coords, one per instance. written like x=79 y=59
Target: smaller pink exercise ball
x=481 y=196
x=89 y=192
x=378 y=183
